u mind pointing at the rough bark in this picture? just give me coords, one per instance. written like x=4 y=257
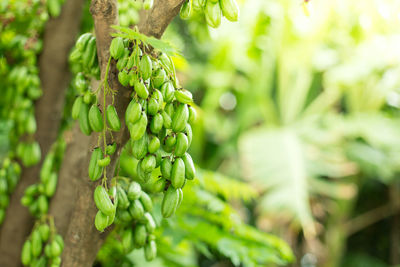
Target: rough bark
x=59 y=37
x=82 y=240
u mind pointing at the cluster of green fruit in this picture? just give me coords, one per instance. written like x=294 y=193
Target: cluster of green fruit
x=37 y=196
x=158 y=117
x=9 y=176
x=84 y=59
x=213 y=10
x=130 y=206
x=43 y=247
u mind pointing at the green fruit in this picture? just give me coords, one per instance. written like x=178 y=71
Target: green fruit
x=178 y=173
x=170 y=202
x=136 y=210
x=89 y=54
x=181 y=144
x=159 y=77
x=26 y=200
x=44 y=231
x=150 y=223
x=101 y=221
x=168 y=91
x=104 y=161
x=55 y=249
x=95 y=119
x=158 y=186
x=26 y=254
x=47 y=250
x=154 y=145
x=47 y=166
x=112 y=118
x=80 y=82
x=158 y=156
x=192 y=115
x=36 y=243
x=146 y=201
x=156 y=123
x=82 y=41
x=140 y=235
x=186 y=10
x=88 y=97
x=133 y=112
x=167 y=122
x=127 y=240
x=180 y=118
x=150 y=250
x=141 y=89
x=111 y=148
x=148 y=163
x=145 y=67
x=169 y=108
x=84 y=119
x=134 y=191
x=123 y=61
x=43 y=204
x=60 y=241
x=31 y=124
x=123 y=78
x=139 y=147
x=117 y=48
x=95 y=170
x=190 y=170
x=166 y=168
x=167 y=62
x=159 y=97
x=189 y=133
x=3 y=185
x=123 y=202
x=4 y=201
x=152 y=106
x=180 y=194
x=125 y=216
x=230 y=9
x=138 y=128
x=103 y=201
x=142 y=174
x=184 y=96
x=213 y=14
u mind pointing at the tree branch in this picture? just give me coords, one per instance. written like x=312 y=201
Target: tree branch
x=59 y=37
x=82 y=240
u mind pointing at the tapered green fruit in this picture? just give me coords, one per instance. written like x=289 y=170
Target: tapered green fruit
x=43 y=204
x=76 y=107
x=127 y=240
x=169 y=143
x=138 y=129
x=178 y=173
x=82 y=41
x=84 y=119
x=156 y=123
x=141 y=89
x=111 y=148
x=140 y=235
x=167 y=121
x=139 y=147
x=133 y=112
x=166 y=168
x=213 y=14
x=117 y=48
x=150 y=250
x=180 y=118
x=26 y=254
x=88 y=97
x=159 y=97
x=55 y=249
x=189 y=133
x=145 y=67
x=95 y=119
x=123 y=201
x=150 y=223
x=152 y=106
x=103 y=201
x=230 y=9
x=159 y=77
x=190 y=171
x=169 y=108
x=123 y=78
x=148 y=163
x=168 y=91
x=145 y=176
x=146 y=201
x=101 y=221
x=112 y=118
x=36 y=243
x=180 y=199
x=136 y=210
x=167 y=62
x=181 y=144
x=154 y=144
x=95 y=170
x=104 y=161
x=170 y=202
x=192 y=115
x=134 y=191
x=184 y=96
x=186 y=10
x=44 y=231
x=158 y=186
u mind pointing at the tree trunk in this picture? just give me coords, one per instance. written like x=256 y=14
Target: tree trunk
x=59 y=37
x=82 y=240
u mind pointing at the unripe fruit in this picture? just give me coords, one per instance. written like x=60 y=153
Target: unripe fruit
x=154 y=144
x=76 y=107
x=133 y=112
x=156 y=123
x=186 y=10
x=136 y=210
x=213 y=14
x=145 y=67
x=180 y=118
x=170 y=202
x=134 y=191
x=148 y=163
x=138 y=128
x=166 y=168
x=117 y=48
x=181 y=144
x=141 y=89
x=192 y=115
x=146 y=201
x=95 y=170
x=150 y=250
x=178 y=173
x=184 y=96
x=103 y=201
x=139 y=147
x=84 y=119
x=140 y=235
x=101 y=221
x=230 y=9
x=159 y=77
x=96 y=119
x=168 y=91
x=112 y=118
x=190 y=170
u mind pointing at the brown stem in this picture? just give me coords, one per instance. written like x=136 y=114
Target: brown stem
x=59 y=37
x=82 y=240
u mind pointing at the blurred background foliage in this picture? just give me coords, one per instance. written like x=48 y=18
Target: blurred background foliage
x=304 y=110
